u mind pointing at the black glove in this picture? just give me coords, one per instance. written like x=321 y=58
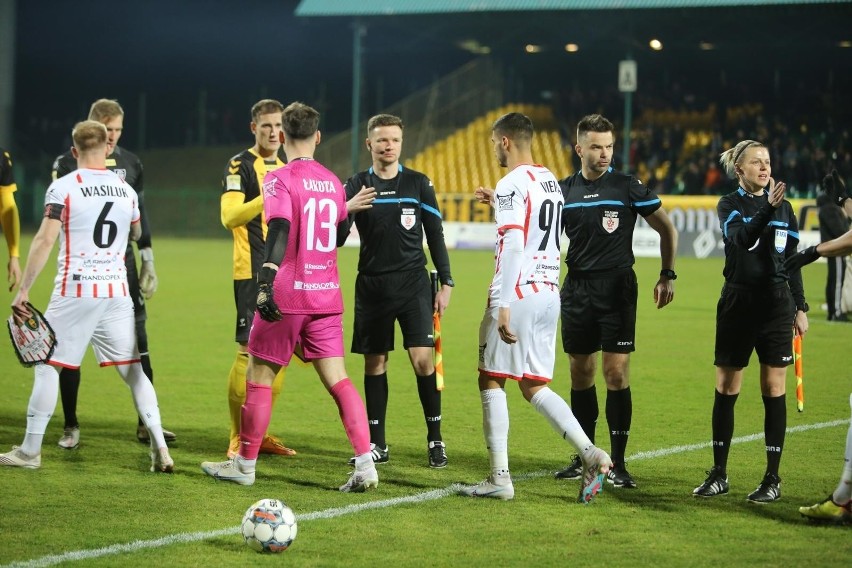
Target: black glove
x=266 y=306
x=801 y=258
x=834 y=187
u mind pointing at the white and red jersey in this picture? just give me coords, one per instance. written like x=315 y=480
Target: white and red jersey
x=528 y=199
x=312 y=198
x=96 y=208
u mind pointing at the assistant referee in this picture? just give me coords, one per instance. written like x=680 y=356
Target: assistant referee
x=393 y=284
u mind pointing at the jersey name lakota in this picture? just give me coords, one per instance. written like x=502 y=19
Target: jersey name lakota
x=529 y=199
x=313 y=200
x=96 y=209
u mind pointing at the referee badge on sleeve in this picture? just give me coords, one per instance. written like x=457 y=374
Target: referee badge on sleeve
x=610 y=221
x=780 y=239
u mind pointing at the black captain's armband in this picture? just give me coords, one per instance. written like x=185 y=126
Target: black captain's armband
x=54 y=211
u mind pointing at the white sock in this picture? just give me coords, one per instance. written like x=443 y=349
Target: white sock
x=145 y=399
x=843 y=493
x=40 y=408
x=495 y=426
x=364 y=461
x=558 y=413
x=244 y=465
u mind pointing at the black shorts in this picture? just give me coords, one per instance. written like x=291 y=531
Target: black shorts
x=755 y=320
x=245 y=298
x=599 y=313
x=133 y=285
x=382 y=299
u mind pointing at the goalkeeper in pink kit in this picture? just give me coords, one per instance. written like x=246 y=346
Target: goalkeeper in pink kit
x=299 y=299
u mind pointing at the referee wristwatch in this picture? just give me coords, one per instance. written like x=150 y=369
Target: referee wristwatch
x=803 y=308
x=448 y=281
x=668 y=273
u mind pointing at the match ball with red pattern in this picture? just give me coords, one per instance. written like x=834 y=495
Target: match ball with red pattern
x=269 y=526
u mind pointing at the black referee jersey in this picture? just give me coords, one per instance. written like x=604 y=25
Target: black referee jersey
x=128 y=166
x=392 y=230
x=599 y=217
x=758 y=238
x=245 y=172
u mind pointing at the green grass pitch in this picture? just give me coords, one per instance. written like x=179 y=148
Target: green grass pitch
x=81 y=502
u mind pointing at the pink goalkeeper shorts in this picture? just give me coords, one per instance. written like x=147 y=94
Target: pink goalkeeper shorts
x=321 y=336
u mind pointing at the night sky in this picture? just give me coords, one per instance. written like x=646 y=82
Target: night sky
x=236 y=52
x=71 y=53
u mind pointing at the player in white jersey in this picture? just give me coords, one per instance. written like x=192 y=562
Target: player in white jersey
x=299 y=300
x=92 y=211
x=517 y=336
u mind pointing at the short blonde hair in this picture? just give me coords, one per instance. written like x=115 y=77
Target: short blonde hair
x=265 y=106
x=105 y=109
x=731 y=157
x=384 y=120
x=89 y=135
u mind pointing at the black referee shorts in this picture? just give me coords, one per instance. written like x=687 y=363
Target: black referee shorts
x=245 y=298
x=755 y=320
x=599 y=313
x=382 y=299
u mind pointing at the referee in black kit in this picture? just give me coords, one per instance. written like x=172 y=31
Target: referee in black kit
x=600 y=292
x=760 y=307
x=393 y=283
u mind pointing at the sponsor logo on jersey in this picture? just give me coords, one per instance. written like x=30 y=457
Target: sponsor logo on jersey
x=299 y=285
x=505 y=202
x=610 y=221
x=780 y=239
x=232 y=183
x=407 y=219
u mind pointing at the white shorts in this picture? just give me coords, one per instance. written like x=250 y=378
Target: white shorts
x=107 y=323
x=534 y=320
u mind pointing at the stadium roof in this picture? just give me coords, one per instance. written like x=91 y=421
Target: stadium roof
x=400 y=7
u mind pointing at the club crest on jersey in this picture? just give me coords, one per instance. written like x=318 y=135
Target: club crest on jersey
x=121 y=172
x=505 y=202
x=407 y=219
x=610 y=221
x=780 y=239
x=269 y=187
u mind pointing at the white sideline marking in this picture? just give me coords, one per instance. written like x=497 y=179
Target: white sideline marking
x=138 y=545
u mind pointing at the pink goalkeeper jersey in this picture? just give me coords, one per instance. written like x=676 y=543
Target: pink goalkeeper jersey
x=312 y=198
x=96 y=208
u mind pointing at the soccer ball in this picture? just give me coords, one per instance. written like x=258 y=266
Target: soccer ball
x=269 y=526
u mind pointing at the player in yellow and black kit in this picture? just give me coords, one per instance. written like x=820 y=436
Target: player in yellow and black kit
x=142 y=284
x=9 y=217
x=242 y=213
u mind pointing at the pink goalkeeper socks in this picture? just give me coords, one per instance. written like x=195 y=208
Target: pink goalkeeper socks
x=255 y=419
x=353 y=415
